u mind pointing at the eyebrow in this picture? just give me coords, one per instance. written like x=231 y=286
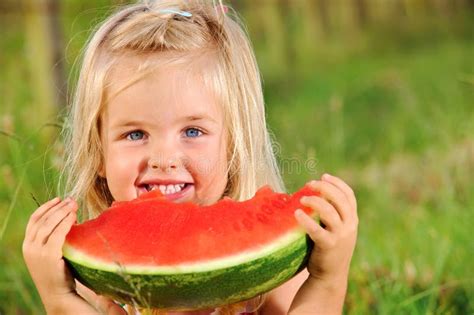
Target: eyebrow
x=129 y=123
x=191 y=118
x=198 y=117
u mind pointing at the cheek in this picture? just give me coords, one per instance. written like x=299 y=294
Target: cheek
x=203 y=167
x=211 y=163
x=121 y=173
x=121 y=165
x=210 y=176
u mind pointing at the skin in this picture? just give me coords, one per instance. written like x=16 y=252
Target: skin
x=164 y=129
x=169 y=129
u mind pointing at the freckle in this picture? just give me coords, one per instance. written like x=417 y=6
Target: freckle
x=299 y=213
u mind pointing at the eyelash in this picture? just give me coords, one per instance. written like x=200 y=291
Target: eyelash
x=128 y=135
x=194 y=128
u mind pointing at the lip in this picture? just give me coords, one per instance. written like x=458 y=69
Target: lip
x=179 y=196
x=162 y=181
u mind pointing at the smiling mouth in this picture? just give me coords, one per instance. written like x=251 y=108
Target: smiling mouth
x=167 y=189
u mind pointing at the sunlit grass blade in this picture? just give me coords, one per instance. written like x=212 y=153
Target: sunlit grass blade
x=12 y=204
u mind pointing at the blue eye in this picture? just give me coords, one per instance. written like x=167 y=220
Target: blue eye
x=135 y=135
x=193 y=132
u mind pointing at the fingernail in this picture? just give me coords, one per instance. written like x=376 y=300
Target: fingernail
x=299 y=212
x=303 y=199
x=326 y=176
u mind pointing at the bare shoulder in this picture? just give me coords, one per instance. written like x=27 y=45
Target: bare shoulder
x=279 y=300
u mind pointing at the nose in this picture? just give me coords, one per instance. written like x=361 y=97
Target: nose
x=166 y=165
x=164 y=156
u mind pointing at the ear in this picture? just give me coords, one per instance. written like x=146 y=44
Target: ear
x=101 y=170
x=101 y=163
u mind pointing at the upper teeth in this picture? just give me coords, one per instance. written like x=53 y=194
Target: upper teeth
x=166 y=189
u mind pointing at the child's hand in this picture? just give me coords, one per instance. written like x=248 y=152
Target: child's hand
x=324 y=290
x=42 y=251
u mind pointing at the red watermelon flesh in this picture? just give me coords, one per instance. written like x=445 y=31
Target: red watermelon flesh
x=152 y=231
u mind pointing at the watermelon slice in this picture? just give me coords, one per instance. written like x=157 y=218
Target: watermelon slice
x=154 y=253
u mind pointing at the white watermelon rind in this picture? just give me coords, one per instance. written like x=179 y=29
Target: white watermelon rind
x=113 y=265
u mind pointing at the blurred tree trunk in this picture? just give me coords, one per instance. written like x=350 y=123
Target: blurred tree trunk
x=361 y=10
x=288 y=37
x=324 y=16
x=45 y=56
x=56 y=34
x=401 y=9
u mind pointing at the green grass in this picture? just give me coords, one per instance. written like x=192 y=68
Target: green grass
x=393 y=116
x=399 y=128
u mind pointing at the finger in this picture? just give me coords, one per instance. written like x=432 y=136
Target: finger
x=49 y=223
x=103 y=304
x=107 y=306
x=56 y=240
x=327 y=213
x=348 y=191
x=37 y=215
x=334 y=195
x=41 y=222
x=314 y=230
x=85 y=292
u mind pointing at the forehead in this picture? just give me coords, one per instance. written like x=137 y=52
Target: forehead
x=168 y=87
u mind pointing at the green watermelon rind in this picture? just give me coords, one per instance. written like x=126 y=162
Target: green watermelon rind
x=204 y=285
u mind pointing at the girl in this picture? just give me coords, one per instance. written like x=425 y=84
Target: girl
x=169 y=97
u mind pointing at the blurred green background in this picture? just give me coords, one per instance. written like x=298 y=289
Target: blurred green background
x=379 y=92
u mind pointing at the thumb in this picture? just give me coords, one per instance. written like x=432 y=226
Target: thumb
x=101 y=303
x=109 y=307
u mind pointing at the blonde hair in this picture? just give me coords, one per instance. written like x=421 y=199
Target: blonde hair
x=149 y=28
